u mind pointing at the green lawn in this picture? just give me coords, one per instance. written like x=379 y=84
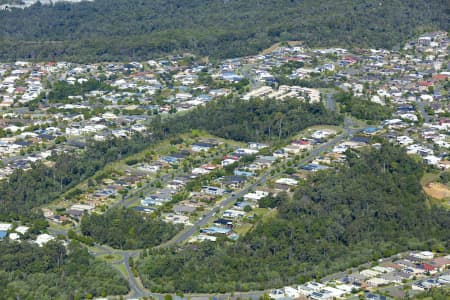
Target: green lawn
x=265 y=213
x=243 y=229
x=110 y=258
x=59 y=227
x=429 y=177
x=121 y=268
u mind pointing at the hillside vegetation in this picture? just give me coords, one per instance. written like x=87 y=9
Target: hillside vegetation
x=330 y=224
x=254 y=120
x=138 y=29
x=127 y=229
x=28 y=271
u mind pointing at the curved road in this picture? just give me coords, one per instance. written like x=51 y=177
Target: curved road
x=138 y=291
x=187 y=233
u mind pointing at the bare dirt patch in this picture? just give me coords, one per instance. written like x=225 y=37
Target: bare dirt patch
x=276 y=45
x=437 y=190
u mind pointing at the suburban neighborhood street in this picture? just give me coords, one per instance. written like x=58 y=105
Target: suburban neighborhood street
x=350 y=128
x=224 y=150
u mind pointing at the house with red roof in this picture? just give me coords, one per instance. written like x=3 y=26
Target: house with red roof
x=440 y=263
x=429 y=268
x=425 y=83
x=440 y=77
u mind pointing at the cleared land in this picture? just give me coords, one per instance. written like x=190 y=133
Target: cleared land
x=437 y=190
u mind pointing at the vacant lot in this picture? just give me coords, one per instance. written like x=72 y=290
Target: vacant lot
x=437 y=190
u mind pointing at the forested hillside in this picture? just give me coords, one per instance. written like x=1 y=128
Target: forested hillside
x=373 y=207
x=137 y=29
x=362 y=108
x=127 y=229
x=28 y=271
x=24 y=191
x=254 y=120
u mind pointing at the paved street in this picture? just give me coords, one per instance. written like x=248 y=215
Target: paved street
x=187 y=233
x=423 y=112
x=350 y=128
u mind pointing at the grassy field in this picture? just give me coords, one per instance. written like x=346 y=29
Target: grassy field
x=59 y=227
x=121 y=268
x=429 y=177
x=110 y=258
x=437 y=193
x=277 y=45
x=243 y=229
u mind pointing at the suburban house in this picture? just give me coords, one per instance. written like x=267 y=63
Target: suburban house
x=242 y=205
x=242 y=151
x=216 y=231
x=228 y=160
x=280 y=153
x=184 y=209
x=243 y=173
x=233 y=181
x=264 y=161
x=224 y=223
x=255 y=196
x=298 y=146
x=285 y=184
x=257 y=146
x=232 y=214
x=176 y=184
x=201 y=146
x=314 y=167
x=212 y=190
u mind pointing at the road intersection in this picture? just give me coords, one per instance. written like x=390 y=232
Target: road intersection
x=136 y=288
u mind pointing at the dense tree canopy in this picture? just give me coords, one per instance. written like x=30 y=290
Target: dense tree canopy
x=62 y=89
x=136 y=29
x=254 y=120
x=126 y=229
x=363 y=108
x=442 y=293
x=28 y=271
x=27 y=190
x=370 y=208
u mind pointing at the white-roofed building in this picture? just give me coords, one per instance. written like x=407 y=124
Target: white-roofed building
x=22 y=229
x=5 y=226
x=43 y=239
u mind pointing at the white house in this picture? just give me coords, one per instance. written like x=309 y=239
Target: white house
x=43 y=239
x=255 y=196
x=231 y=213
